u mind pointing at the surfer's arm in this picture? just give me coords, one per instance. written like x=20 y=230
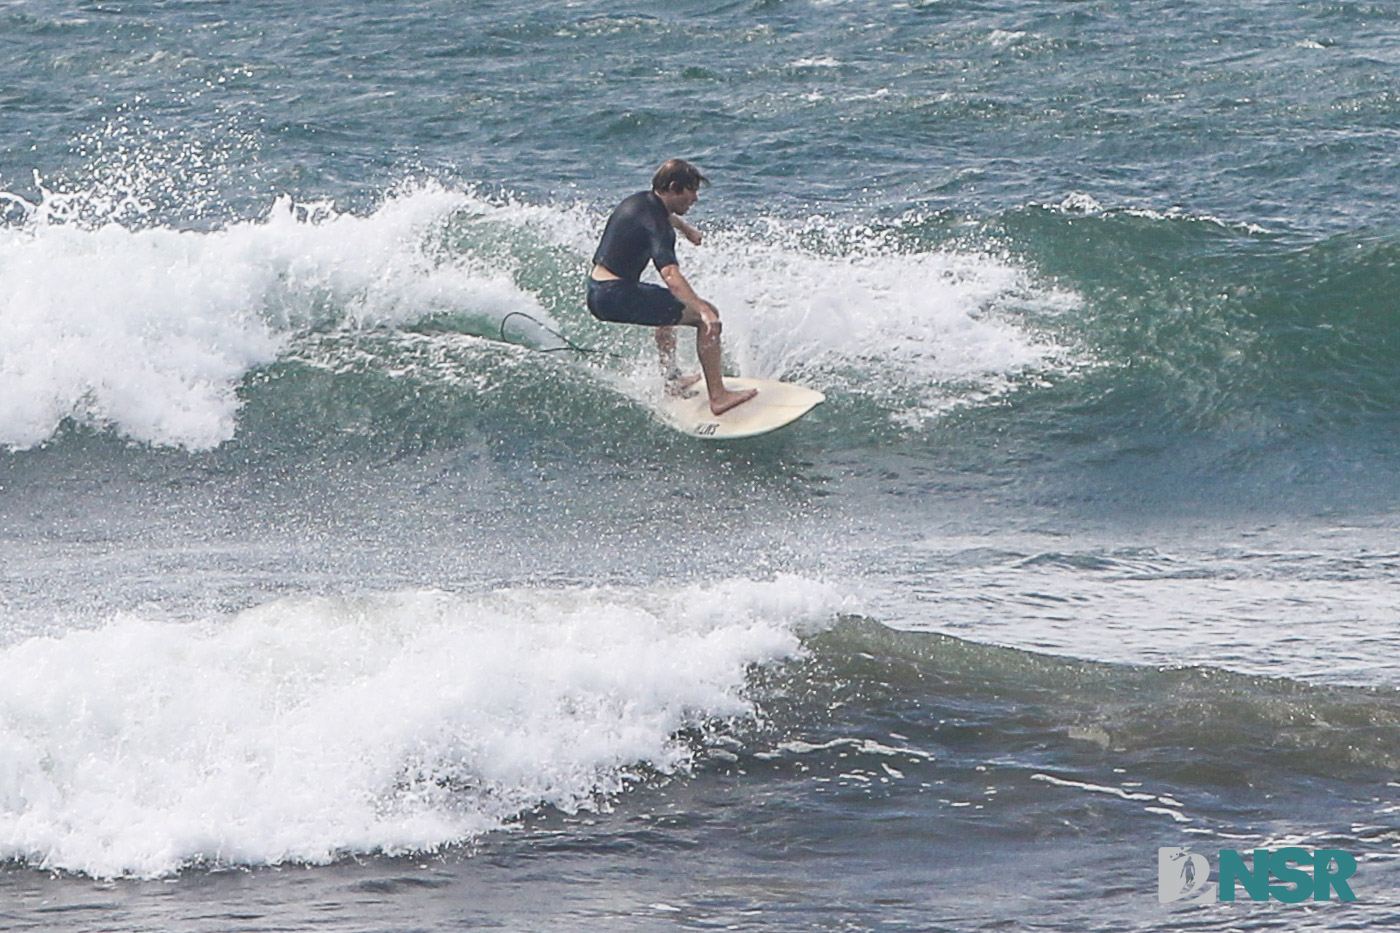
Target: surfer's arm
x=689 y=232
x=707 y=313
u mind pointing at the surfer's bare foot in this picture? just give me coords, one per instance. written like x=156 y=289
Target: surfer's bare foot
x=727 y=400
x=677 y=384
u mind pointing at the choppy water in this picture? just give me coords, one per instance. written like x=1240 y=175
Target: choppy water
x=336 y=590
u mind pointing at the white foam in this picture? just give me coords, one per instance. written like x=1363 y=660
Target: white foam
x=307 y=729
x=1079 y=202
x=150 y=330
x=1003 y=38
x=918 y=331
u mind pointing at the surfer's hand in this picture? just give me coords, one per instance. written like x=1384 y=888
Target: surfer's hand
x=690 y=232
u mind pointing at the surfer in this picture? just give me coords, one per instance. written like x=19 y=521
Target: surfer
x=641 y=229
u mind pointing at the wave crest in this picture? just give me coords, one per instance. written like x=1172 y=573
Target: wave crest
x=150 y=331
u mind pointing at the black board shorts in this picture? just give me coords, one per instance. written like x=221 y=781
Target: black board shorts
x=626 y=302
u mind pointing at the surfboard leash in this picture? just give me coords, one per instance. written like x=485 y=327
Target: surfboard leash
x=567 y=343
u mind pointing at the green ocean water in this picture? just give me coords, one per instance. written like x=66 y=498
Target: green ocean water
x=348 y=580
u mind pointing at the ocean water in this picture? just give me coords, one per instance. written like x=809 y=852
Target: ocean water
x=348 y=581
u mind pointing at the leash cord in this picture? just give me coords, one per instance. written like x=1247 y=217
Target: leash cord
x=567 y=343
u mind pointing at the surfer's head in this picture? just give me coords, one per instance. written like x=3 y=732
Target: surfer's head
x=675 y=176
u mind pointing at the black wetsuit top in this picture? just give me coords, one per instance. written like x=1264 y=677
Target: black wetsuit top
x=639 y=230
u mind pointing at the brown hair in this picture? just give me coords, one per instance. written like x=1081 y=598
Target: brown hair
x=677 y=175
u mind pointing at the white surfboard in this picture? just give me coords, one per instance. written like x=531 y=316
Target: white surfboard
x=776 y=404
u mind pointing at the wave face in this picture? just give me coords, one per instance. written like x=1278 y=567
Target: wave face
x=1229 y=325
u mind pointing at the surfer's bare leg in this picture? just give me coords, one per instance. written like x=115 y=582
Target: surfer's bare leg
x=703 y=317
x=676 y=381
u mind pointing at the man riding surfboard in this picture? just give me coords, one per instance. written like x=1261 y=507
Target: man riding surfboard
x=641 y=229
